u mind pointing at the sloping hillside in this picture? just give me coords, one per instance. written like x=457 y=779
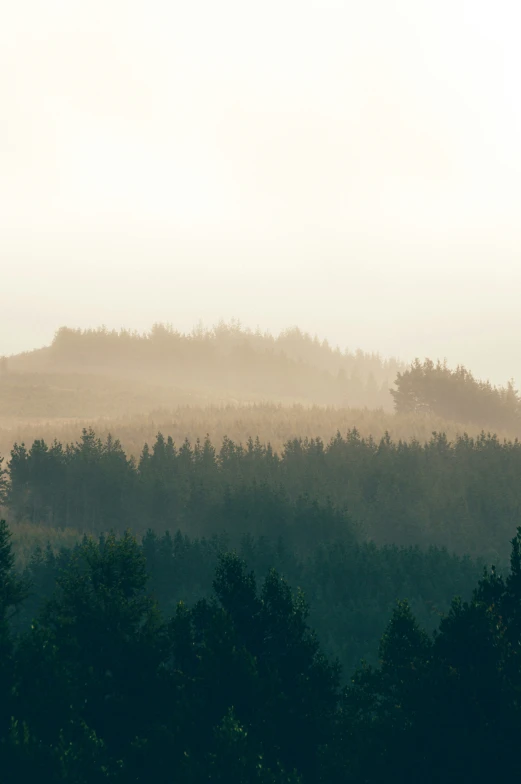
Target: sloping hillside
x=101 y=373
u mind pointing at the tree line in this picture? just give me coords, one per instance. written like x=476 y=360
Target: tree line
x=273 y=423
x=105 y=687
x=463 y=494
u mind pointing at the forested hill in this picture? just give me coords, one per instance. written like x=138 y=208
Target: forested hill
x=100 y=373
x=227 y=361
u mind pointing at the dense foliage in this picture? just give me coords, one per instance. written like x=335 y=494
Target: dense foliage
x=463 y=495
x=456 y=394
x=352 y=586
x=234 y=688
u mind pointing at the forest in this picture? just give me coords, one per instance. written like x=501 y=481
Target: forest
x=279 y=588
x=461 y=494
x=110 y=682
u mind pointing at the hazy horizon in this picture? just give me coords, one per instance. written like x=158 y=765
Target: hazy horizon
x=348 y=168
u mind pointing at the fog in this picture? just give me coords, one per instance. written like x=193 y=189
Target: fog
x=349 y=167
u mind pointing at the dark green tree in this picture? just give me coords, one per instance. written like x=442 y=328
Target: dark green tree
x=90 y=659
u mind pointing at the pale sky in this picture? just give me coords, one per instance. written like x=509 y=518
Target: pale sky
x=350 y=167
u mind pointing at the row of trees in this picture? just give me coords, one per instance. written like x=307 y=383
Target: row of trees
x=105 y=688
x=464 y=495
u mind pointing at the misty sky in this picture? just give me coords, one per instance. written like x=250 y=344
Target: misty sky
x=350 y=167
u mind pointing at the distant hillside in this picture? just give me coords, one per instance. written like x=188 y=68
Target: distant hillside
x=166 y=367
x=85 y=395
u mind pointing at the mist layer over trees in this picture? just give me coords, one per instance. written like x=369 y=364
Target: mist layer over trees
x=221 y=363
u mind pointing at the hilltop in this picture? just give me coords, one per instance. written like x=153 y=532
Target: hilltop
x=100 y=373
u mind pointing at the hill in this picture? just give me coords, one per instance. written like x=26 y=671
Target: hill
x=96 y=372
